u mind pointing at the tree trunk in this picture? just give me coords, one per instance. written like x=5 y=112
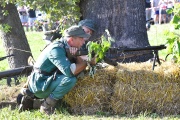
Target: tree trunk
x=125 y=20
x=14 y=41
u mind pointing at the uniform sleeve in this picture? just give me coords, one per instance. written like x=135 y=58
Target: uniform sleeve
x=58 y=57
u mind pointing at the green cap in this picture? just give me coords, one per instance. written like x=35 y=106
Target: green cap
x=76 y=31
x=88 y=23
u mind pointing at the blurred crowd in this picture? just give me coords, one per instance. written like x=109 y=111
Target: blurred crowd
x=156 y=11
x=31 y=18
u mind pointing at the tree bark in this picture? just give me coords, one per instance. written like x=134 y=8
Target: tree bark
x=125 y=20
x=14 y=41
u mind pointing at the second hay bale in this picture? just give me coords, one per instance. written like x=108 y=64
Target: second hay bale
x=139 y=89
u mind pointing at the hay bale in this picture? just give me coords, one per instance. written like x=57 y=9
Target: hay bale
x=139 y=89
x=92 y=95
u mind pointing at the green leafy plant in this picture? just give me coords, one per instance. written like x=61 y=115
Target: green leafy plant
x=173 y=37
x=98 y=50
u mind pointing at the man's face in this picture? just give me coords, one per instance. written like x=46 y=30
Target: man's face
x=88 y=31
x=78 y=42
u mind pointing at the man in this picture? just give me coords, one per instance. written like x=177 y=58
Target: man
x=88 y=26
x=162 y=11
x=23 y=16
x=54 y=75
x=155 y=10
x=50 y=34
x=32 y=18
x=148 y=13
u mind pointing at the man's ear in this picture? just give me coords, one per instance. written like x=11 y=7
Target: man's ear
x=70 y=40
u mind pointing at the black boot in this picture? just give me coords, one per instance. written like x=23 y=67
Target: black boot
x=37 y=103
x=48 y=106
x=26 y=103
x=25 y=100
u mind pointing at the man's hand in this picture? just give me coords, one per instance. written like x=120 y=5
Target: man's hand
x=93 y=61
x=84 y=57
x=79 y=60
x=73 y=50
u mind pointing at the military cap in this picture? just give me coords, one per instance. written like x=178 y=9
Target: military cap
x=88 y=23
x=76 y=31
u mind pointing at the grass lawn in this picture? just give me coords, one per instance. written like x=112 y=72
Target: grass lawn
x=155 y=34
x=157 y=37
x=36 y=42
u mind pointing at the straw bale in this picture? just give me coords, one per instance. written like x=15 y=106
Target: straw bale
x=92 y=95
x=139 y=89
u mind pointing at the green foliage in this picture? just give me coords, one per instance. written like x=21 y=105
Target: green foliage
x=169 y=11
x=99 y=49
x=173 y=38
x=5 y=27
x=5 y=12
x=3 y=3
x=56 y=9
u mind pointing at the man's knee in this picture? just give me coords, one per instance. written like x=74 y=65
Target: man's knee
x=68 y=81
x=64 y=87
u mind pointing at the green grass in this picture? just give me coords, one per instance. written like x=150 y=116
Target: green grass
x=155 y=34
x=36 y=42
x=36 y=115
x=157 y=37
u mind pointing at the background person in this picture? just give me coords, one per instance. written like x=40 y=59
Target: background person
x=49 y=31
x=52 y=32
x=23 y=16
x=148 y=13
x=31 y=18
x=155 y=10
x=89 y=27
x=162 y=11
x=170 y=5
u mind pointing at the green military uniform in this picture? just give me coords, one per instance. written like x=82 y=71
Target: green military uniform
x=44 y=81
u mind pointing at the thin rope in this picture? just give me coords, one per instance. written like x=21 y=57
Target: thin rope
x=19 y=50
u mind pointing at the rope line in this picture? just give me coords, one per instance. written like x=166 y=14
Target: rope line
x=19 y=50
